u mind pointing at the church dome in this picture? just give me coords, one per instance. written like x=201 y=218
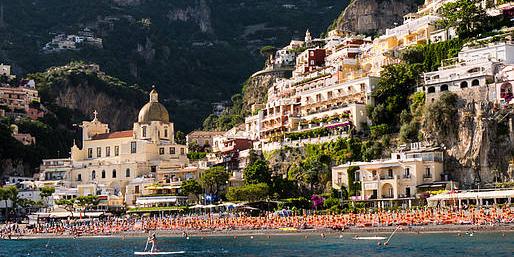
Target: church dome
x=153 y=110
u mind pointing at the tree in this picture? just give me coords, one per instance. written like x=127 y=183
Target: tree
x=87 y=201
x=257 y=172
x=191 y=187
x=466 y=16
x=46 y=192
x=267 y=51
x=353 y=186
x=397 y=82
x=214 y=179
x=9 y=193
x=253 y=192
x=67 y=204
x=180 y=137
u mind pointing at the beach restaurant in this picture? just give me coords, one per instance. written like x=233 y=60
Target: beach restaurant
x=477 y=198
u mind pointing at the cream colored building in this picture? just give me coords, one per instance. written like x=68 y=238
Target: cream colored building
x=111 y=162
x=399 y=178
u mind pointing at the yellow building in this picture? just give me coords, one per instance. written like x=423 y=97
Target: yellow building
x=398 y=179
x=109 y=162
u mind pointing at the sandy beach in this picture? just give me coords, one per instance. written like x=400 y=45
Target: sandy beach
x=457 y=229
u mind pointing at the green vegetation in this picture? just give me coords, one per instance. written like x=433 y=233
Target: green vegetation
x=257 y=172
x=9 y=193
x=440 y=116
x=250 y=192
x=214 y=180
x=196 y=155
x=229 y=118
x=191 y=187
x=470 y=18
x=313 y=133
x=411 y=119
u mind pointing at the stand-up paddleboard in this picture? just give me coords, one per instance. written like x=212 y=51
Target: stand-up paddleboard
x=158 y=253
x=369 y=238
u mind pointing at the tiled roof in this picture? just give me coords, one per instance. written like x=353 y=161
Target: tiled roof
x=206 y=133
x=117 y=134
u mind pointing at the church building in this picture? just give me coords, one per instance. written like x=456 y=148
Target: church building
x=113 y=163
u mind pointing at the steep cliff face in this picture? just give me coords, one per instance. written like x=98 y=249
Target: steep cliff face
x=477 y=142
x=84 y=88
x=118 y=113
x=199 y=13
x=256 y=88
x=374 y=16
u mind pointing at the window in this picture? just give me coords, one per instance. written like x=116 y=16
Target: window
x=113 y=173
x=136 y=189
x=390 y=173
x=407 y=191
x=182 y=151
x=116 y=150
x=161 y=150
x=312 y=62
x=427 y=173
x=90 y=153
x=406 y=173
x=107 y=151
x=93 y=175
x=144 y=131
x=127 y=173
x=431 y=90
x=79 y=177
x=103 y=173
x=165 y=133
x=98 y=152
x=311 y=53
x=153 y=169
x=133 y=147
x=444 y=87
x=172 y=150
x=475 y=83
x=463 y=84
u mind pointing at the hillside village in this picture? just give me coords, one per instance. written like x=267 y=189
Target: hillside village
x=335 y=97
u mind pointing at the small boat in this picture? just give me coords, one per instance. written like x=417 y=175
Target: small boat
x=158 y=253
x=369 y=238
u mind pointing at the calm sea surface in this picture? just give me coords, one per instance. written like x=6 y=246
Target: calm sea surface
x=481 y=244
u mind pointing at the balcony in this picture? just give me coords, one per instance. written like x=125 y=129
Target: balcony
x=405 y=176
x=426 y=176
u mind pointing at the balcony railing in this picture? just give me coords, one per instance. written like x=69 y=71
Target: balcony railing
x=427 y=175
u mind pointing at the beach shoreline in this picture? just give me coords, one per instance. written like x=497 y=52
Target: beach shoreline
x=429 y=229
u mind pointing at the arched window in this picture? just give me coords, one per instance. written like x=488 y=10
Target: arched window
x=464 y=84
x=127 y=173
x=79 y=177
x=103 y=173
x=431 y=90
x=475 y=83
x=93 y=174
x=444 y=87
x=113 y=173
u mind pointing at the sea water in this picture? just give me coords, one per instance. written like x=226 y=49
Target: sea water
x=448 y=245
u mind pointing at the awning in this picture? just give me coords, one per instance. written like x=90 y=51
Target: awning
x=474 y=195
x=159 y=199
x=432 y=185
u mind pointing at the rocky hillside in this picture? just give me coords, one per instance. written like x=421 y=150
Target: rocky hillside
x=256 y=88
x=475 y=135
x=84 y=88
x=374 y=16
x=196 y=52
